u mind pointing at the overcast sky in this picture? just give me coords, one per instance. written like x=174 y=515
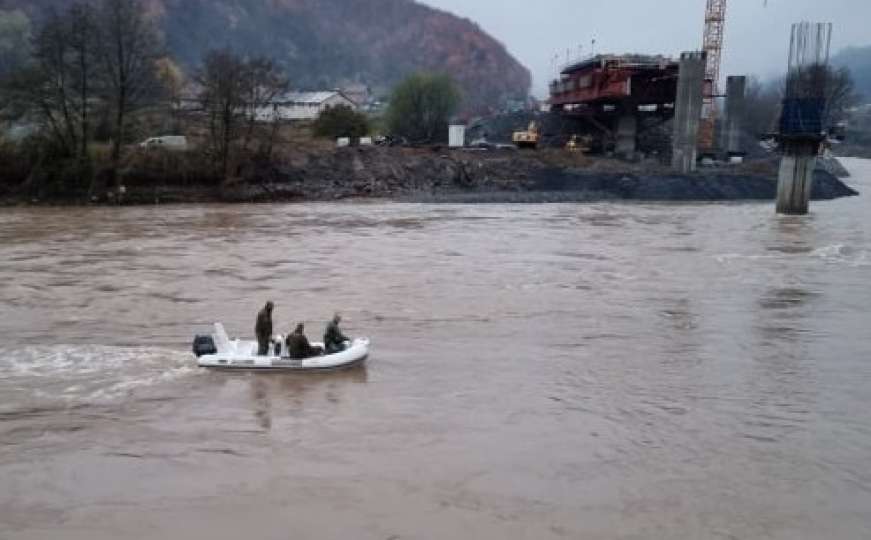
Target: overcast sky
x=757 y=37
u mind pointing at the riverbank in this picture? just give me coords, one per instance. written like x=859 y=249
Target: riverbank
x=440 y=174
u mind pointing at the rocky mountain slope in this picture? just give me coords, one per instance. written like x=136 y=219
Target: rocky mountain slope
x=330 y=43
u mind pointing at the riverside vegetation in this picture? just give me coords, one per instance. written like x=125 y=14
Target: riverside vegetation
x=92 y=80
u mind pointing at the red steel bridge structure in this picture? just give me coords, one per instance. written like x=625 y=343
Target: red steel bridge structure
x=623 y=81
x=617 y=93
x=603 y=87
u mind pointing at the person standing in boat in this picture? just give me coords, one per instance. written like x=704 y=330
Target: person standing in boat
x=263 y=329
x=298 y=346
x=334 y=339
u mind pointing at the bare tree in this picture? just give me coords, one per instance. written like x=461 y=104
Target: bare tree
x=129 y=48
x=264 y=83
x=82 y=32
x=234 y=93
x=52 y=84
x=55 y=88
x=763 y=102
x=841 y=94
x=223 y=82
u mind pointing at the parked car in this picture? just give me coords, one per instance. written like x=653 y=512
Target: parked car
x=169 y=142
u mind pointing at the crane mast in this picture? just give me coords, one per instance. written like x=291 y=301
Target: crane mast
x=715 y=24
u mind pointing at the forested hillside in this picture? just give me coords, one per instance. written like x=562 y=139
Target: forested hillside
x=329 y=43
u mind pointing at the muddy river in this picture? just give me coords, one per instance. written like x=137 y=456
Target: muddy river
x=596 y=371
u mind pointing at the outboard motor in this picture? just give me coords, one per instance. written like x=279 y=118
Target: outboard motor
x=204 y=345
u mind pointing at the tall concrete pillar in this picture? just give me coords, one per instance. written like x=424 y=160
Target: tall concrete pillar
x=688 y=111
x=733 y=124
x=796 y=178
x=802 y=118
x=627 y=134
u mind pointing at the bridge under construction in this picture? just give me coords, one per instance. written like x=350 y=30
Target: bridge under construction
x=617 y=94
x=622 y=96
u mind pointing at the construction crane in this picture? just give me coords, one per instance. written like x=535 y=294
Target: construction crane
x=715 y=25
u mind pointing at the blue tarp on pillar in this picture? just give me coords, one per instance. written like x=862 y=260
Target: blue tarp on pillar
x=802 y=116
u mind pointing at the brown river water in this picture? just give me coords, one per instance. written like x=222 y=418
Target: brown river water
x=595 y=371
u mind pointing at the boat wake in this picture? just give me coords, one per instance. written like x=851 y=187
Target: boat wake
x=65 y=376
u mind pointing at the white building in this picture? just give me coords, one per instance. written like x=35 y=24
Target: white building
x=303 y=105
x=358 y=93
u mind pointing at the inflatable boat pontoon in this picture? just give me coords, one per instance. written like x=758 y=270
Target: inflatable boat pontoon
x=219 y=352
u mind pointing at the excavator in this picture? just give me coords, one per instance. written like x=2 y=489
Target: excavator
x=528 y=138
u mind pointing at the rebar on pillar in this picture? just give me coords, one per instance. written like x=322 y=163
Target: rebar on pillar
x=802 y=122
x=688 y=111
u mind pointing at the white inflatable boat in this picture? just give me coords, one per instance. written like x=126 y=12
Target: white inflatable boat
x=218 y=351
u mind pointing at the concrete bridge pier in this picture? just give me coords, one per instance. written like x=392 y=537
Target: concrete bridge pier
x=688 y=111
x=627 y=135
x=736 y=88
x=796 y=177
x=802 y=118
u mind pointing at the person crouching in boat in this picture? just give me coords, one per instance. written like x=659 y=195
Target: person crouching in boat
x=334 y=339
x=298 y=347
x=263 y=329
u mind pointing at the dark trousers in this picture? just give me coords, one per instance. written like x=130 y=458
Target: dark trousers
x=310 y=353
x=333 y=348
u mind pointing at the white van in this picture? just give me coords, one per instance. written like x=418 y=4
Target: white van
x=170 y=142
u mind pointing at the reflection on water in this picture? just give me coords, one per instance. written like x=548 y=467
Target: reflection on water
x=787 y=298
x=567 y=371
x=782 y=384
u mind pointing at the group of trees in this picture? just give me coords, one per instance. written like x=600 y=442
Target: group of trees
x=763 y=100
x=96 y=70
x=100 y=63
x=420 y=109
x=90 y=61
x=234 y=93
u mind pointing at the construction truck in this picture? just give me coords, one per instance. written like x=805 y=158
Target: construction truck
x=528 y=138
